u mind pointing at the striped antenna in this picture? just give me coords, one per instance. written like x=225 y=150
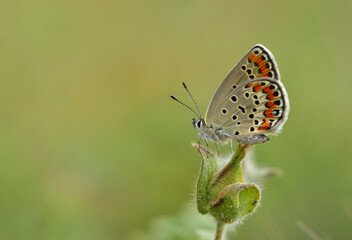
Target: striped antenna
x=184 y=85
x=185 y=105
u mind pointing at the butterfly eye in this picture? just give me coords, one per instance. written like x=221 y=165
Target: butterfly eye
x=199 y=124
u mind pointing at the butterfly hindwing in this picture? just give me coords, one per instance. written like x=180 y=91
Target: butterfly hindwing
x=259 y=62
x=256 y=107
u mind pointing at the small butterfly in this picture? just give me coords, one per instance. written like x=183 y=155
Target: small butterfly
x=248 y=105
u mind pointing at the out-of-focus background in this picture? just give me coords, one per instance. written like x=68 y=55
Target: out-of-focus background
x=92 y=147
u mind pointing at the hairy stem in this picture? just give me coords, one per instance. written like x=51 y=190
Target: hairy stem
x=220 y=227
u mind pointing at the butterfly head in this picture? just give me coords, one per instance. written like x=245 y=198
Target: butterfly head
x=198 y=124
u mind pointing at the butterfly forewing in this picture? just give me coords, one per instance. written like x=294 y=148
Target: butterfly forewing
x=257 y=63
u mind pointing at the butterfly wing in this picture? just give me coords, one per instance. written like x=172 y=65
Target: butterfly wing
x=259 y=62
x=255 y=108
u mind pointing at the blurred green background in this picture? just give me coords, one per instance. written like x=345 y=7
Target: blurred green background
x=92 y=147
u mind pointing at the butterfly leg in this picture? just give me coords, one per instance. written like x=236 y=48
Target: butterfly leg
x=217 y=148
x=206 y=141
x=198 y=142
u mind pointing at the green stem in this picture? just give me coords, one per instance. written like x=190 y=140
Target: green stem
x=220 y=227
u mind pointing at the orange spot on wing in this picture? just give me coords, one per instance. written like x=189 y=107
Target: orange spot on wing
x=251 y=57
x=269 y=113
x=271 y=96
x=271 y=104
x=263 y=128
x=265 y=125
x=259 y=61
x=257 y=87
x=267 y=89
x=249 y=85
x=269 y=92
x=264 y=69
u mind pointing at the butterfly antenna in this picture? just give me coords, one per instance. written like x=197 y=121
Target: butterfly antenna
x=184 y=85
x=184 y=105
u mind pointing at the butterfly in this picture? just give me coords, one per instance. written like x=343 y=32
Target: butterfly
x=249 y=104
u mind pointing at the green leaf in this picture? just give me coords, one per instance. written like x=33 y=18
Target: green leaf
x=209 y=167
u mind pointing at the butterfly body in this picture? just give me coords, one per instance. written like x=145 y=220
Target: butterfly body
x=249 y=104
x=218 y=135
x=209 y=132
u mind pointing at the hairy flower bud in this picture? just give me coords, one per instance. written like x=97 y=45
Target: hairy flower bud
x=222 y=192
